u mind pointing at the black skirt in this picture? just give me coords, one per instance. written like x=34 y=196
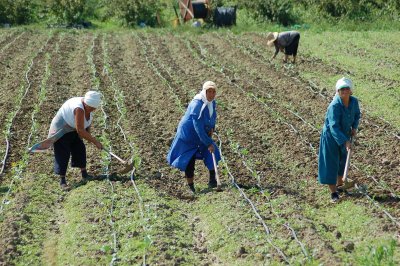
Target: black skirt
x=291 y=49
x=69 y=145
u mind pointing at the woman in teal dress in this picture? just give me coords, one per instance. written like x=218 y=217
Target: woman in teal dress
x=341 y=123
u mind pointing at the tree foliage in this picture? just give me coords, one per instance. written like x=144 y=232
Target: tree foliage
x=17 y=11
x=133 y=12
x=272 y=10
x=354 y=9
x=70 y=11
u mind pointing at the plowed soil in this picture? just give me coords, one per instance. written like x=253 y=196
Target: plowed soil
x=269 y=123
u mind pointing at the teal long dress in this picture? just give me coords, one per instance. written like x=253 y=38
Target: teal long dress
x=339 y=121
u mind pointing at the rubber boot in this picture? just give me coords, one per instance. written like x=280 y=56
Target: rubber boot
x=85 y=174
x=63 y=183
x=212 y=183
x=191 y=187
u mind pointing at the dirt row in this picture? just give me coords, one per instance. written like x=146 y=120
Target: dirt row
x=383 y=167
x=17 y=230
x=155 y=108
x=14 y=227
x=188 y=69
x=106 y=220
x=377 y=150
x=242 y=131
x=13 y=69
x=150 y=126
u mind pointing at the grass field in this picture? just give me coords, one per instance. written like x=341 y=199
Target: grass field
x=272 y=210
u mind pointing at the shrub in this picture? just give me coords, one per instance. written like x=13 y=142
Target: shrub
x=70 y=11
x=273 y=10
x=17 y=11
x=133 y=12
x=354 y=9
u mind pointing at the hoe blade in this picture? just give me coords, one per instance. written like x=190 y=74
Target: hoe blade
x=127 y=168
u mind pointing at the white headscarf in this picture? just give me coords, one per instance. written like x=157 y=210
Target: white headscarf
x=92 y=98
x=344 y=83
x=203 y=96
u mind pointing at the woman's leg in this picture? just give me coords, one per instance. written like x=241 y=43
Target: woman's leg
x=78 y=152
x=334 y=193
x=339 y=181
x=212 y=183
x=291 y=49
x=189 y=173
x=62 y=153
x=295 y=47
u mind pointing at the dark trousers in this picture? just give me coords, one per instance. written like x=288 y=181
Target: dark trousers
x=69 y=145
x=291 y=49
x=189 y=171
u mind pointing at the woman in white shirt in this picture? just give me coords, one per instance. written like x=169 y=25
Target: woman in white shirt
x=70 y=125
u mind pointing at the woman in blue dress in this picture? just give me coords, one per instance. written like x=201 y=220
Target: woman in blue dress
x=193 y=137
x=341 y=123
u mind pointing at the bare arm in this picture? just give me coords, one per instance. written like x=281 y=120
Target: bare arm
x=80 y=128
x=276 y=51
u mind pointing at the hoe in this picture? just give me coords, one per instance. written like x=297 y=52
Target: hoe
x=348 y=183
x=216 y=173
x=128 y=166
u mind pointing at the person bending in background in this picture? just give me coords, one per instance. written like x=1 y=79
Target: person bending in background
x=341 y=123
x=193 y=137
x=287 y=42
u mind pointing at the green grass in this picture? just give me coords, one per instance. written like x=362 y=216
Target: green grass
x=36 y=218
x=354 y=222
x=84 y=236
x=377 y=86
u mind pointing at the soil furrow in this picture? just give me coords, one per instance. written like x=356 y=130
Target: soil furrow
x=244 y=177
x=20 y=130
x=27 y=229
x=290 y=146
x=384 y=168
x=13 y=69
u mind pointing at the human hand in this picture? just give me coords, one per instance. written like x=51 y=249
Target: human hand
x=353 y=132
x=348 y=146
x=211 y=148
x=98 y=144
x=211 y=132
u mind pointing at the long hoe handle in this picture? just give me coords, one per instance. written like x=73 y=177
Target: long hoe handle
x=115 y=156
x=216 y=170
x=347 y=166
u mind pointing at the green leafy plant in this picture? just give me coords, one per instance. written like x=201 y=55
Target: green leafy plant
x=275 y=10
x=133 y=12
x=379 y=255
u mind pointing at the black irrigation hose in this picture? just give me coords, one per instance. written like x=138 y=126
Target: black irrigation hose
x=279 y=120
x=364 y=192
x=111 y=209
